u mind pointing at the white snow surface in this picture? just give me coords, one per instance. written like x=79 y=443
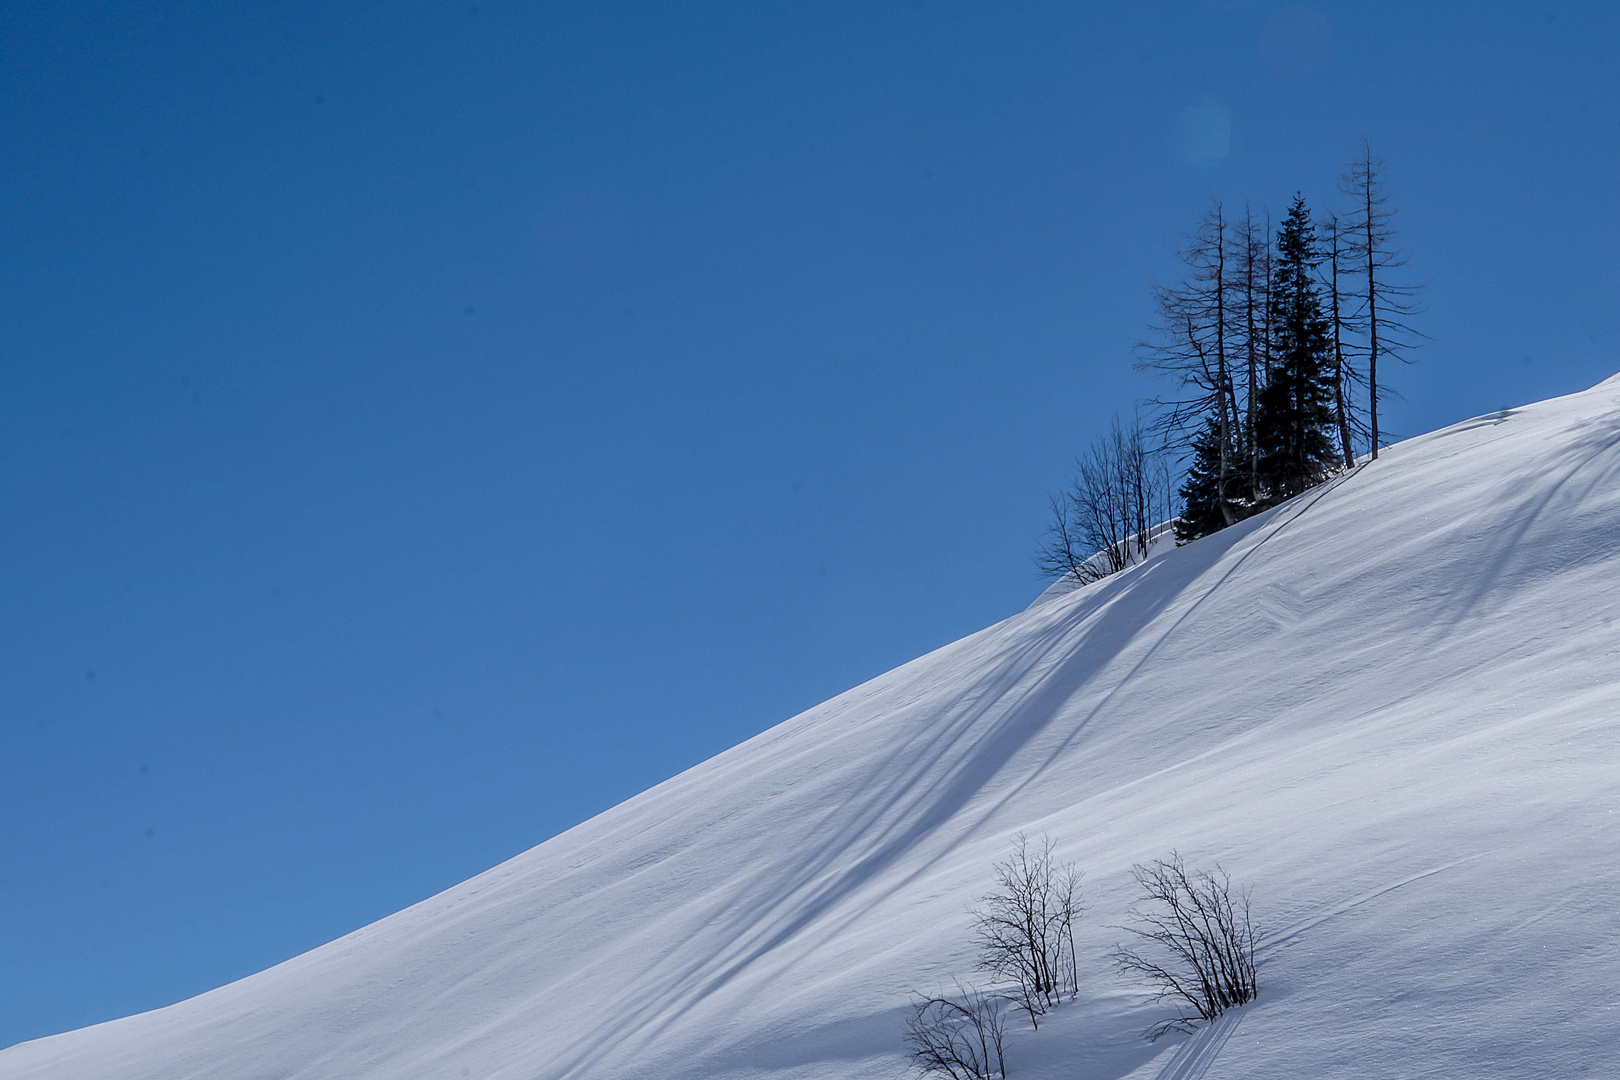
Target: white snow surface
x=1390 y=706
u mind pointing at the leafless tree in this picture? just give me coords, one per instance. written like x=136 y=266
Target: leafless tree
x=1025 y=928
x=1194 y=342
x=1268 y=278
x=1196 y=942
x=958 y=1036
x=1336 y=252
x=1064 y=552
x=1253 y=261
x=1386 y=304
x=1105 y=520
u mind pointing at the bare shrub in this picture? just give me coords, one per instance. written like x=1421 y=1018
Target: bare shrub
x=1105 y=520
x=1197 y=942
x=958 y=1036
x=1025 y=927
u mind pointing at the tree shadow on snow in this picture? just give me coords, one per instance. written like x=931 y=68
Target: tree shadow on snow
x=907 y=797
x=1541 y=523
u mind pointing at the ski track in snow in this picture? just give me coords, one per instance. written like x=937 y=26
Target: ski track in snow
x=1390 y=707
x=1281 y=939
x=1195 y=1056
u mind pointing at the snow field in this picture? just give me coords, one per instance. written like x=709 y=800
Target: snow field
x=1389 y=706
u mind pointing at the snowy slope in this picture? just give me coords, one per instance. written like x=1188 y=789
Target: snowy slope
x=1391 y=706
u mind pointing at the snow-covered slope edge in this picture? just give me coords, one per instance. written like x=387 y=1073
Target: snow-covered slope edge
x=1390 y=706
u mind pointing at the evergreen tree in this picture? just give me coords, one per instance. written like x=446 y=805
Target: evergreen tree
x=1294 y=416
x=1202 y=512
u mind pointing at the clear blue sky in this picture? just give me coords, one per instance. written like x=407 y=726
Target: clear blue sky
x=424 y=425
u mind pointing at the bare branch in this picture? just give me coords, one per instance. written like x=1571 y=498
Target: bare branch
x=1196 y=943
x=958 y=1036
x=1106 y=519
x=1025 y=928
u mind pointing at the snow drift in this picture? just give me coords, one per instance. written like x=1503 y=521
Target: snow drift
x=1389 y=706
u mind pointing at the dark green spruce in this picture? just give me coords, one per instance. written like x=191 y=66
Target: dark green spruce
x=1201 y=491
x=1294 y=413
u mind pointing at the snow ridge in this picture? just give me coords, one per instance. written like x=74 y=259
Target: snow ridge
x=1389 y=706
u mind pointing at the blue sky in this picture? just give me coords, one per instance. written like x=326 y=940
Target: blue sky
x=424 y=425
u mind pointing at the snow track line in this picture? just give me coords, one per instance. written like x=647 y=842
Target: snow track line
x=1272 y=941
x=1194 y=1057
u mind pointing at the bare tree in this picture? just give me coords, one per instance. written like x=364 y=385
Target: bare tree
x=1105 y=520
x=1196 y=942
x=1064 y=552
x=1193 y=343
x=1025 y=928
x=958 y=1036
x=1268 y=278
x=1253 y=262
x=1385 y=305
x=1335 y=255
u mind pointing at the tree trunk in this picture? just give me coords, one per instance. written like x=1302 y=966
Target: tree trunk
x=1338 y=354
x=1372 y=316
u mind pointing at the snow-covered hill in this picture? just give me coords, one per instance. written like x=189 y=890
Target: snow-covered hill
x=1392 y=706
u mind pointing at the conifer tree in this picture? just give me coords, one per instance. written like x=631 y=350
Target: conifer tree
x=1202 y=511
x=1294 y=418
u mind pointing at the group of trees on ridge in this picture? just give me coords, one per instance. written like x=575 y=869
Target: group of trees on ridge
x=1272 y=344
